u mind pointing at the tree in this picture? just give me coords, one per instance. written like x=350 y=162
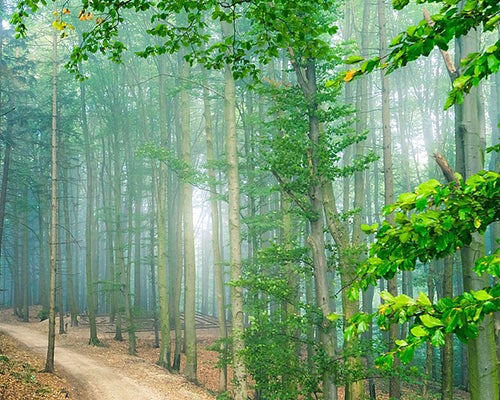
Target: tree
x=90 y=224
x=49 y=363
x=188 y=232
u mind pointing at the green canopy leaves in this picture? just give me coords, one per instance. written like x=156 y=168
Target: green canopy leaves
x=449 y=23
x=432 y=222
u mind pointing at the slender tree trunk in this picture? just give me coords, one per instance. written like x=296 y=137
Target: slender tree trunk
x=392 y=287
x=429 y=350
x=161 y=192
x=316 y=240
x=188 y=234
x=70 y=279
x=447 y=352
x=49 y=362
x=24 y=259
x=89 y=220
x=8 y=148
x=214 y=209
x=240 y=390
x=5 y=179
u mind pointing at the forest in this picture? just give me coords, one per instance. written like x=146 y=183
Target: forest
x=321 y=177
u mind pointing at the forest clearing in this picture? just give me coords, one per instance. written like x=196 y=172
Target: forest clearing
x=277 y=199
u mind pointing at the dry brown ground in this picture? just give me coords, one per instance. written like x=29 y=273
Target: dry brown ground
x=20 y=376
x=20 y=379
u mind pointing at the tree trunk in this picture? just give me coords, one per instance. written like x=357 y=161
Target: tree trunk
x=447 y=358
x=240 y=391
x=214 y=210
x=163 y=289
x=392 y=287
x=73 y=309
x=89 y=220
x=482 y=366
x=188 y=233
x=24 y=259
x=49 y=362
x=316 y=240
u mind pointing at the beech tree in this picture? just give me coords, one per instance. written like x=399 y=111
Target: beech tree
x=460 y=20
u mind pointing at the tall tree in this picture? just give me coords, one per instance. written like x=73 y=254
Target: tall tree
x=240 y=390
x=216 y=232
x=90 y=224
x=160 y=192
x=392 y=285
x=49 y=362
x=469 y=148
x=188 y=231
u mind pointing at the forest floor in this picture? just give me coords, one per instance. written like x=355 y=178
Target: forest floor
x=84 y=372
x=104 y=372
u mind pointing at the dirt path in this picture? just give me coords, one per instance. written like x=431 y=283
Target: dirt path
x=98 y=381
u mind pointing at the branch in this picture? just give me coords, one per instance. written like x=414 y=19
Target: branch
x=448 y=172
x=7 y=112
x=450 y=65
x=290 y=193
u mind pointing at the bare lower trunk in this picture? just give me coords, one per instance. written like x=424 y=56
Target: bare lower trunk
x=49 y=362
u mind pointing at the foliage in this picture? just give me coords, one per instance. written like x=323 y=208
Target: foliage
x=452 y=21
x=183 y=170
x=433 y=221
x=185 y=24
x=285 y=149
x=277 y=336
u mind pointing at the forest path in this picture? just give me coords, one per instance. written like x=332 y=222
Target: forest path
x=98 y=380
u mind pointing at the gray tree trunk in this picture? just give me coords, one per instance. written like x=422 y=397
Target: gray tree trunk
x=49 y=362
x=214 y=210
x=240 y=389
x=161 y=192
x=188 y=233
x=482 y=366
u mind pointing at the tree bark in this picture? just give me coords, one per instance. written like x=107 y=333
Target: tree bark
x=214 y=212
x=49 y=362
x=482 y=366
x=163 y=288
x=70 y=279
x=392 y=287
x=190 y=368
x=240 y=389
x=307 y=80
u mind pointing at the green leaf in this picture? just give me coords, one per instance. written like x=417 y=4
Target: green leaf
x=428 y=188
x=407 y=354
x=369 y=229
x=353 y=60
x=438 y=338
x=334 y=317
x=386 y=296
x=423 y=300
x=470 y=5
x=461 y=82
x=482 y=295
x=407 y=198
x=430 y=322
x=418 y=331
x=421 y=203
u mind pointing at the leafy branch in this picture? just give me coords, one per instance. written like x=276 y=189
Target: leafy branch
x=433 y=221
x=449 y=23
